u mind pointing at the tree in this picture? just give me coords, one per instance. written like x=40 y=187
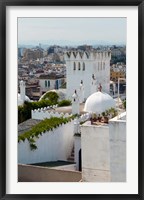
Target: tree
x=51 y=96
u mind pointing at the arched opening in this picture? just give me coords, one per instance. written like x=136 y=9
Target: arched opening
x=79 y=66
x=80 y=160
x=48 y=83
x=104 y=66
x=57 y=85
x=45 y=83
x=83 y=66
x=74 y=67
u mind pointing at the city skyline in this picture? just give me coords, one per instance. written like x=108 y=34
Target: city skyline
x=72 y=31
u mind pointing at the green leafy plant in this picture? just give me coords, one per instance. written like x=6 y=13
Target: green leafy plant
x=103 y=114
x=41 y=128
x=24 y=111
x=51 y=96
x=64 y=103
x=124 y=104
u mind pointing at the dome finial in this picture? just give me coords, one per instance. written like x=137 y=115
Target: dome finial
x=100 y=87
x=93 y=77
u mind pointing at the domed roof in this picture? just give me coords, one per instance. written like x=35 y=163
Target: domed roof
x=20 y=101
x=99 y=102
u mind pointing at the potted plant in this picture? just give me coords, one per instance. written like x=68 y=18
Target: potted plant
x=93 y=118
x=99 y=118
x=105 y=117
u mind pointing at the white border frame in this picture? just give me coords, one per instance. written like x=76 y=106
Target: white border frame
x=14 y=187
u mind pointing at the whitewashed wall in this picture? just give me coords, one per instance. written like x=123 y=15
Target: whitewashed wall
x=44 y=113
x=52 y=146
x=117 y=129
x=95 y=153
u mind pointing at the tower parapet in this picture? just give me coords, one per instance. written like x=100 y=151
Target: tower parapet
x=79 y=55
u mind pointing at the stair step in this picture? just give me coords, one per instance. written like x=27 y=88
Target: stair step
x=71 y=157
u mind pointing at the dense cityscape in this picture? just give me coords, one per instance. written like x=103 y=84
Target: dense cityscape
x=36 y=64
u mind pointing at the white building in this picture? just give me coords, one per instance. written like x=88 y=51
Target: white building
x=47 y=83
x=100 y=149
x=84 y=67
x=103 y=149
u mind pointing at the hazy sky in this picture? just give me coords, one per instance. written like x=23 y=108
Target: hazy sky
x=71 y=30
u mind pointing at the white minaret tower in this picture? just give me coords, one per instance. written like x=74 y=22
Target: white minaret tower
x=22 y=90
x=81 y=66
x=93 y=85
x=81 y=92
x=75 y=103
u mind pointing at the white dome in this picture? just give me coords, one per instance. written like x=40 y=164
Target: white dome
x=99 y=102
x=20 y=101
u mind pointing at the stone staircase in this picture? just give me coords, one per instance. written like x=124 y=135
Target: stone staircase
x=71 y=157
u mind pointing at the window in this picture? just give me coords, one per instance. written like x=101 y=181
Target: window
x=83 y=66
x=74 y=68
x=48 y=83
x=45 y=83
x=79 y=66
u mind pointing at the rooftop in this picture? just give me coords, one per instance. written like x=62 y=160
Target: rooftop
x=27 y=125
x=51 y=76
x=67 y=109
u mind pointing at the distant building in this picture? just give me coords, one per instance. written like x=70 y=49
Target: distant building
x=114 y=75
x=50 y=82
x=116 y=52
x=32 y=54
x=85 y=47
x=117 y=71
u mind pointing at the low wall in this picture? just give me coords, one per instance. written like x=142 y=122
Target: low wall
x=28 y=173
x=44 y=113
x=51 y=146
